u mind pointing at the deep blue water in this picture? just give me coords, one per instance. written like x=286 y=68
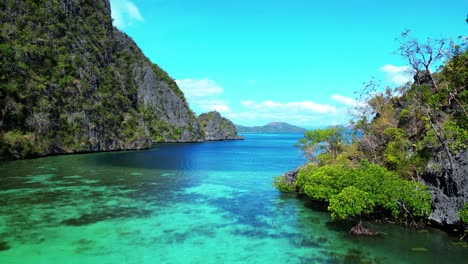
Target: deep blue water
x=206 y=202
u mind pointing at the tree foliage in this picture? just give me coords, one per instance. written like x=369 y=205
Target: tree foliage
x=370 y=186
x=400 y=130
x=282 y=184
x=326 y=142
x=351 y=202
x=464 y=213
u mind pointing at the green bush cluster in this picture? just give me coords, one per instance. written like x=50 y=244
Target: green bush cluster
x=282 y=184
x=464 y=214
x=367 y=188
x=19 y=145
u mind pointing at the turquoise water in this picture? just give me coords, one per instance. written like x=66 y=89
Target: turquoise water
x=186 y=203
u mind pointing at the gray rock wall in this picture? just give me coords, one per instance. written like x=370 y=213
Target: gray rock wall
x=217 y=127
x=98 y=91
x=449 y=191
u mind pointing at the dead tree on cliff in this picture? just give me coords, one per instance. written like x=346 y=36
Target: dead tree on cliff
x=422 y=56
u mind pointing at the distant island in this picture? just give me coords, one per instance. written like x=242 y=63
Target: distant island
x=273 y=127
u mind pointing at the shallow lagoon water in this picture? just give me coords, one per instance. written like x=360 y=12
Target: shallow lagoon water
x=186 y=203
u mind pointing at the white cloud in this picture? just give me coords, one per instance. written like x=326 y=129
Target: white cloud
x=347 y=101
x=199 y=88
x=202 y=95
x=133 y=11
x=308 y=106
x=247 y=103
x=304 y=119
x=311 y=106
x=350 y=107
x=398 y=75
x=210 y=105
x=222 y=108
x=124 y=13
x=205 y=95
x=301 y=113
x=344 y=100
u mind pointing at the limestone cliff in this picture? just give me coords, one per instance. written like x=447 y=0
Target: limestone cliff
x=449 y=190
x=217 y=127
x=71 y=82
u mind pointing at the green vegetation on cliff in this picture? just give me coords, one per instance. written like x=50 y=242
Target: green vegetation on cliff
x=71 y=82
x=408 y=150
x=216 y=127
x=364 y=189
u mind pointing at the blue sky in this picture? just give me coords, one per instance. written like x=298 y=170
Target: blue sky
x=297 y=61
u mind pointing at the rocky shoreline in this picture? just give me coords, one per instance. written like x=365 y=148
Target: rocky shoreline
x=448 y=192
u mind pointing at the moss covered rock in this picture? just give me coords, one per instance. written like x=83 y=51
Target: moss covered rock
x=217 y=127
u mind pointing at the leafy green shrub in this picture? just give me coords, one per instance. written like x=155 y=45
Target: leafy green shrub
x=464 y=214
x=324 y=182
x=282 y=184
x=351 y=202
x=19 y=145
x=354 y=191
x=456 y=136
x=319 y=142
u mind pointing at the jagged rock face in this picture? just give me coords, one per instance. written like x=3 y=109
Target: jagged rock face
x=158 y=96
x=217 y=127
x=166 y=102
x=74 y=83
x=449 y=191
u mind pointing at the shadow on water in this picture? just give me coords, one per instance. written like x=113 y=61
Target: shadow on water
x=4 y=246
x=109 y=214
x=245 y=210
x=339 y=226
x=355 y=256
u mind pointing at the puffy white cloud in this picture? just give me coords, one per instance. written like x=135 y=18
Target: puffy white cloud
x=398 y=75
x=199 y=88
x=311 y=106
x=304 y=119
x=270 y=106
x=210 y=105
x=203 y=95
x=344 y=100
x=133 y=11
x=124 y=13
x=347 y=101
x=304 y=113
x=350 y=107
x=222 y=108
